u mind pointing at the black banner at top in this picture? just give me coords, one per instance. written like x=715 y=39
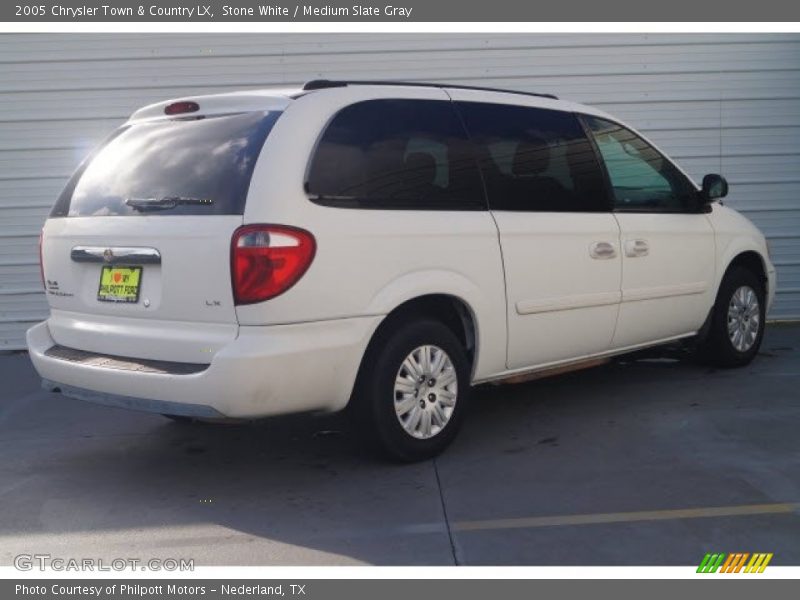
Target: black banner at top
x=366 y=11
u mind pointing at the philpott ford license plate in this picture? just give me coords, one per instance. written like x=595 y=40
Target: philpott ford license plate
x=119 y=284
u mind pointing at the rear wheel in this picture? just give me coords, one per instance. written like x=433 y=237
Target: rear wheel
x=183 y=419
x=180 y=419
x=737 y=321
x=412 y=390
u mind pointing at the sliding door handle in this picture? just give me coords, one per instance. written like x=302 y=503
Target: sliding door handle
x=602 y=250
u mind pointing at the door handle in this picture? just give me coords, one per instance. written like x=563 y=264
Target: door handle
x=636 y=248
x=602 y=250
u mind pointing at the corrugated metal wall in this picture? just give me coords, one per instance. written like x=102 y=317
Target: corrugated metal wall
x=717 y=103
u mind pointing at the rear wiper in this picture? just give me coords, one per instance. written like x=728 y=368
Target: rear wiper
x=166 y=202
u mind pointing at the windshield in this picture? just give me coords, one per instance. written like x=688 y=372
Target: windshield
x=205 y=162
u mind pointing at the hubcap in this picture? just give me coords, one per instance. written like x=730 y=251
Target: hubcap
x=425 y=392
x=744 y=318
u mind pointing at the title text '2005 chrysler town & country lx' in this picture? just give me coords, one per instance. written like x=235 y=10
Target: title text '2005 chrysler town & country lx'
x=382 y=247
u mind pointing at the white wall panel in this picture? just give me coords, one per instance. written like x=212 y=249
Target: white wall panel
x=715 y=102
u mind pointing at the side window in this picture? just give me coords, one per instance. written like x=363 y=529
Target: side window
x=641 y=178
x=411 y=154
x=534 y=159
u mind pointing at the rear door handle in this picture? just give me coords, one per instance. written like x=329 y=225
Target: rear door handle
x=636 y=248
x=602 y=250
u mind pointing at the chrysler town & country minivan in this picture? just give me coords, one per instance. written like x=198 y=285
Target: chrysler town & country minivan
x=381 y=247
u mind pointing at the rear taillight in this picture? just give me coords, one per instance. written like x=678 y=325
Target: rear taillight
x=266 y=260
x=41 y=261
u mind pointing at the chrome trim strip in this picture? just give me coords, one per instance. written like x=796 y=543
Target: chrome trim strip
x=116 y=255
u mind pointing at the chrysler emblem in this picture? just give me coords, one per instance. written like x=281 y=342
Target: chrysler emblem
x=108 y=255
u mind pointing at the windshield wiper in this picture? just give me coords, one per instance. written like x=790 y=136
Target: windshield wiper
x=166 y=202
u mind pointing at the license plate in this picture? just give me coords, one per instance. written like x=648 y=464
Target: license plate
x=119 y=284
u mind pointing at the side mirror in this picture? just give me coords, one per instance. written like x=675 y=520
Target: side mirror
x=714 y=186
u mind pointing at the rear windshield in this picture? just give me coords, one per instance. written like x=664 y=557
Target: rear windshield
x=197 y=166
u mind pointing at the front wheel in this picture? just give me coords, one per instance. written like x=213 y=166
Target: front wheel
x=412 y=390
x=737 y=322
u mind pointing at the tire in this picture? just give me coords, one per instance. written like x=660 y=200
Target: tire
x=183 y=420
x=378 y=395
x=722 y=348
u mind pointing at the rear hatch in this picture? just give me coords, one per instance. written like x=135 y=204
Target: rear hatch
x=136 y=254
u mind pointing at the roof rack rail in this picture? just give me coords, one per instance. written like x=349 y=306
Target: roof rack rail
x=321 y=84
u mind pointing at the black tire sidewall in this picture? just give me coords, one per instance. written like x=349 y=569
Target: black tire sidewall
x=182 y=419
x=376 y=394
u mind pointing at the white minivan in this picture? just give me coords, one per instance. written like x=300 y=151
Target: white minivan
x=380 y=246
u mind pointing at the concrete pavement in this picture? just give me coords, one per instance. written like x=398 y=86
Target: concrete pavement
x=582 y=469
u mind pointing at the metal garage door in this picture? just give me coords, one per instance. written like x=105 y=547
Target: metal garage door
x=724 y=103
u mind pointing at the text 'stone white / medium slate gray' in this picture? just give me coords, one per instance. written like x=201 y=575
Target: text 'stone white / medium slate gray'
x=714 y=102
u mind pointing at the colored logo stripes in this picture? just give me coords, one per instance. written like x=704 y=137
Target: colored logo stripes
x=735 y=562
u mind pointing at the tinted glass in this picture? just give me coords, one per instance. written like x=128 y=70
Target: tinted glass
x=534 y=159
x=396 y=154
x=208 y=159
x=641 y=178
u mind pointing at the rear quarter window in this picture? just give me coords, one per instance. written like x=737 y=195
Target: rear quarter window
x=396 y=154
x=206 y=158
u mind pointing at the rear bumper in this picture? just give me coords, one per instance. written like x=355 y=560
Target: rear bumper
x=265 y=371
x=141 y=404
